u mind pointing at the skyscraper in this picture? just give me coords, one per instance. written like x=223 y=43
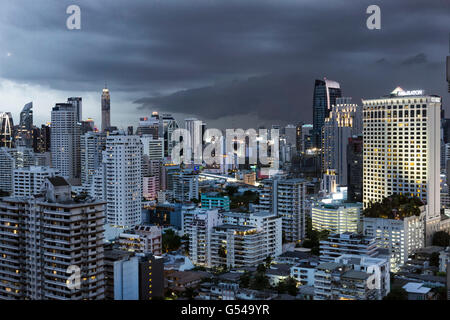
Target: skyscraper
x=6 y=130
x=42 y=237
x=25 y=130
x=286 y=198
x=65 y=141
x=355 y=169
x=92 y=145
x=106 y=110
x=123 y=179
x=402 y=150
x=343 y=122
x=325 y=94
x=77 y=103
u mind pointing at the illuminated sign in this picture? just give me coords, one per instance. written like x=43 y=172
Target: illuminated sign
x=410 y=93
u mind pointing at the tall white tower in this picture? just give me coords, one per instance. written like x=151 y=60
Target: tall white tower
x=123 y=157
x=65 y=141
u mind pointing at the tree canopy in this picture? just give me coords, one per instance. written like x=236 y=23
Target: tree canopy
x=394 y=207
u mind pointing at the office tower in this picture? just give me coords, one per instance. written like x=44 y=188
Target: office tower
x=41 y=139
x=347 y=243
x=298 y=139
x=402 y=150
x=106 y=110
x=24 y=136
x=286 y=198
x=198 y=225
x=42 y=237
x=307 y=137
x=92 y=145
x=149 y=126
x=343 y=122
x=123 y=157
x=169 y=125
x=6 y=130
x=355 y=169
x=65 y=141
x=195 y=128
x=185 y=186
x=153 y=147
x=266 y=222
x=325 y=94
x=28 y=181
x=290 y=132
x=11 y=159
x=337 y=216
x=77 y=103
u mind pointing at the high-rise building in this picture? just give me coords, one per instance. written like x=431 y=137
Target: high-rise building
x=343 y=122
x=149 y=126
x=65 y=141
x=77 y=103
x=325 y=94
x=123 y=158
x=195 y=128
x=6 y=130
x=11 y=159
x=92 y=145
x=24 y=135
x=448 y=72
x=153 y=147
x=41 y=139
x=355 y=169
x=307 y=137
x=286 y=198
x=185 y=186
x=169 y=125
x=48 y=238
x=106 y=110
x=28 y=181
x=402 y=150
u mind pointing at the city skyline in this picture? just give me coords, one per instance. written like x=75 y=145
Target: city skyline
x=263 y=65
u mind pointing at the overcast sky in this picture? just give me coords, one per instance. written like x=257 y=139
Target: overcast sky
x=230 y=63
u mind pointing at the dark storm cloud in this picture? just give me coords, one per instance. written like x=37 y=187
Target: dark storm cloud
x=216 y=58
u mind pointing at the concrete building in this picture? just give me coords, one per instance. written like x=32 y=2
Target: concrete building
x=6 y=130
x=153 y=147
x=266 y=222
x=343 y=122
x=198 y=225
x=286 y=198
x=92 y=145
x=214 y=200
x=347 y=243
x=45 y=239
x=142 y=239
x=28 y=181
x=337 y=216
x=185 y=186
x=402 y=150
x=123 y=159
x=65 y=141
x=401 y=236
x=11 y=159
x=150 y=187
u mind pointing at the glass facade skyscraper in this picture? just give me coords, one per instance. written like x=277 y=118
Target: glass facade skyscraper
x=325 y=94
